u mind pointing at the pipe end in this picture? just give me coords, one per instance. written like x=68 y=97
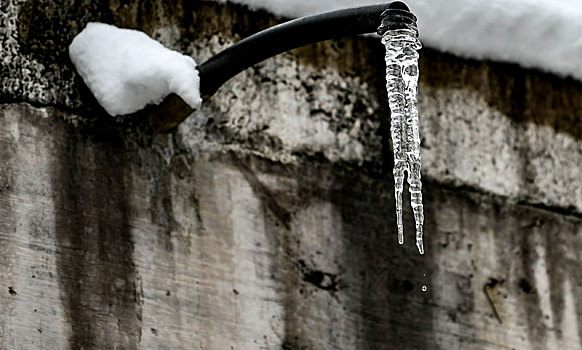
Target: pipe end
x=398 y=5
x=396 y=16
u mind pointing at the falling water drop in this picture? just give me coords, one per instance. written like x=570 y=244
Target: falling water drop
x=402 y=85
x=424 y=288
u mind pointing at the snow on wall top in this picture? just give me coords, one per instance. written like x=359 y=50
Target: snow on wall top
x=543 y=34
x=126 y=70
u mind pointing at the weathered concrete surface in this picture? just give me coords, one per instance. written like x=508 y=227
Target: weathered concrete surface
x=105 y=245
x=494 y=127
x=503 y=129
x=266 y=220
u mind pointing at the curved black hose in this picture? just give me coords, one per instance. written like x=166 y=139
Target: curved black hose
x=287 y=36
x=275 y=40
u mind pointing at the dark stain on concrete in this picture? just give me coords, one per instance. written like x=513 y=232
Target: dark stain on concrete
x=577 y=291
x=267 y=198
x=528 y=258
x=389 y=302
x=542 y=232
x=571 y=232
x=556 y=247
x=93 y=236
x=47 y=27
x=278 y=216
x=382 y=280
x=281 y=240
x=161 y=210
x=216 y=19
x=524 y=95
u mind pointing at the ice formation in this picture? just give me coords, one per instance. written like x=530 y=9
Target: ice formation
x=126 y=69
x=402 y=85
x=543 y=34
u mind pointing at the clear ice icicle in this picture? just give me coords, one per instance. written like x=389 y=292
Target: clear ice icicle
x=402 y=85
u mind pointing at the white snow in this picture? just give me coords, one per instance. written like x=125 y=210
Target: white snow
x=542 y=34
x=126 y=70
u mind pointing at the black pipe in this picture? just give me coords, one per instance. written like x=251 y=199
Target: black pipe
x=278 y=39
x=293 y=34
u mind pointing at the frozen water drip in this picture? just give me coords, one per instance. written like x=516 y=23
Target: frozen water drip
x=402 y=47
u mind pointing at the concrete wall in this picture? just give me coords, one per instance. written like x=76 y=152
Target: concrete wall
x=266 y=221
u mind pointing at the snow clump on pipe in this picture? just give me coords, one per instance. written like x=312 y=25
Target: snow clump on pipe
x=126 y=70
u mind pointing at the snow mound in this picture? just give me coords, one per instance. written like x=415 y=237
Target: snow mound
x=126 y=69
x=542 y=34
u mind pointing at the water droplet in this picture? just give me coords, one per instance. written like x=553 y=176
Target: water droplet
x=424 y=288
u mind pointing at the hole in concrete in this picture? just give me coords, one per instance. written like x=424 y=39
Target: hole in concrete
x=525 y=286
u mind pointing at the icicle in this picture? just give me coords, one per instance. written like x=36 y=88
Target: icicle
x=402 y=85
